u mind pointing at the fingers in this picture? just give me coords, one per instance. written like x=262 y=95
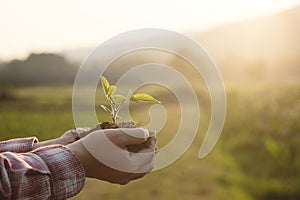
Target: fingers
x=81 y=132
x=71 y=136
x=126 y=136
x=100 y=145
x=152 y=134
x=145 y=156
x=152 y=143
x=148 y=167
x=136 y=132
x=152 y=147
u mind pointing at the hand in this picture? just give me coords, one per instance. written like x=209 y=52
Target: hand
x=72 y=135
x=103 y=154
x=68 y=137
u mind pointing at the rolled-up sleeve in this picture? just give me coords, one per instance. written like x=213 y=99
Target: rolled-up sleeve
x=21 y=145
x=50 y=172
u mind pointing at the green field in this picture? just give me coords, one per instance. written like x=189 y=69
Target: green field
x=257 y=156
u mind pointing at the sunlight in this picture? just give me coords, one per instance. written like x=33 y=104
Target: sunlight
x=55 y=25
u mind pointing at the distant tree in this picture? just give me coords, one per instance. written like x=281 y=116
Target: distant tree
x=38 y=69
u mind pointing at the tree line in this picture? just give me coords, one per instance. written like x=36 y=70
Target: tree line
x=38 y=69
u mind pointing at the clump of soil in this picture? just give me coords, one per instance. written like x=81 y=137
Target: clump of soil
x=130 y=124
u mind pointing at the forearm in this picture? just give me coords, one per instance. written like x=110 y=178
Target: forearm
x=23 y=145
x=68 y=137
x=47 y=142
x=50 y=172
x=20 y=145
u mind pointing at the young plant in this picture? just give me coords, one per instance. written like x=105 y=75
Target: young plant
x=116 y=101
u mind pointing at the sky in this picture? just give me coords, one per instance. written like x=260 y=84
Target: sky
x=56 y=25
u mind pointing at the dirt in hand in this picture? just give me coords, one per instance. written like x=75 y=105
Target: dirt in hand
x=133 y=147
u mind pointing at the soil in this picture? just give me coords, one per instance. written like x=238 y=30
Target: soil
x=131 y=148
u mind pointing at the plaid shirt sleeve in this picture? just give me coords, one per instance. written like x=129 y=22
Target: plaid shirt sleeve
x=18 y=145
x=50 y=172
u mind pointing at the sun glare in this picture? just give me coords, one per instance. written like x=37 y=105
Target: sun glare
x=37 y=26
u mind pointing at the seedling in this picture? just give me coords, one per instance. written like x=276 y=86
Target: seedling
x=116 y=101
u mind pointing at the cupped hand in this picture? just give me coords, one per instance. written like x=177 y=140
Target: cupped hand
x=104 y=156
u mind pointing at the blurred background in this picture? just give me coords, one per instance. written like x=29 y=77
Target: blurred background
x=255 y=44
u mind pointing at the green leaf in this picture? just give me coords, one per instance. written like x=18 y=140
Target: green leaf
x=143 y=97
x=118 y=98
x=111 y=90
x=105 y=108
x=105 y=85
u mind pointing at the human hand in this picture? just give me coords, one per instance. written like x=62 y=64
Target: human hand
x=68 y=137
x=103 y=154
x=72 y=135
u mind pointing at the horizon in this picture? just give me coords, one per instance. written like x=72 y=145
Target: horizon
x=54 y=35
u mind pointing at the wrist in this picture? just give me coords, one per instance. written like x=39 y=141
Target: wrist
x=77 y=149
x=62 y=141
x=74 y=150
x=64 y=168
x=45 y=143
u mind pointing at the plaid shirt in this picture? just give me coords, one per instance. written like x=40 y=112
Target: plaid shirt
x=50 y=172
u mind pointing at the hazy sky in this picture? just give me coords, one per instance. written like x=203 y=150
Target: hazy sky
x=54 y=25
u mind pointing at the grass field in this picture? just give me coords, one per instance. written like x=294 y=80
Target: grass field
x=257 y=156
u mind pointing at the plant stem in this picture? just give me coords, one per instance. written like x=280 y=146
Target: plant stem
x=113 y=110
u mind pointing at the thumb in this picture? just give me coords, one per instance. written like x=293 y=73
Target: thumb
x=126 y=136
